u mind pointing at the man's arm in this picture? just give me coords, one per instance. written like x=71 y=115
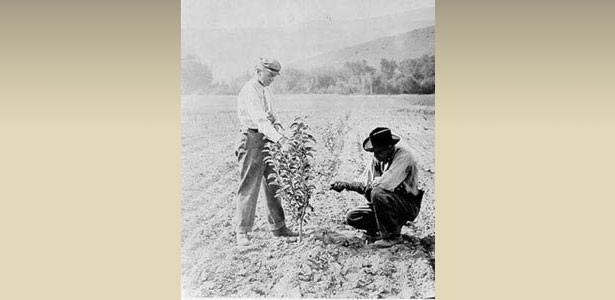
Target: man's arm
x=400 y=167
x=257 y=113
x=354 y=186
x=276 y=125
x=361 y=185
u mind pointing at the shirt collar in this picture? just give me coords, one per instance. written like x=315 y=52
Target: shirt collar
x=388 y=163
x=257 y=85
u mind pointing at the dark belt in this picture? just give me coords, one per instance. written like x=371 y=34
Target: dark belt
x=250 y=130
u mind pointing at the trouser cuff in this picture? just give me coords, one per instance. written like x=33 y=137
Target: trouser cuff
x=244 y=229
x=276 y=226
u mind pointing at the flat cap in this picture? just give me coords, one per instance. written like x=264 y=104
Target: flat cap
x=271 y=65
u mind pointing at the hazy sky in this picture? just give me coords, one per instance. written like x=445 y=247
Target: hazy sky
x=275 y=13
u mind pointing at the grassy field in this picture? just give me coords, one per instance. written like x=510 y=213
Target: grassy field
x=331 y=261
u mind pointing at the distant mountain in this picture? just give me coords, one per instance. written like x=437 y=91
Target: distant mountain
x=230 y=52
x=411 y=44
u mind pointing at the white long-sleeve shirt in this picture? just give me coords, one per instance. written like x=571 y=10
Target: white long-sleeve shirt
x=255 y=109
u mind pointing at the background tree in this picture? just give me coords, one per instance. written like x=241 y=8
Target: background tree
x=409 y=76
x=292 y=81
x=388 y=68
x=196 y=76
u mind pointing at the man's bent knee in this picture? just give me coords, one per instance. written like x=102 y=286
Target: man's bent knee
x=378 y=194
x=358 y=214
x=351 y=217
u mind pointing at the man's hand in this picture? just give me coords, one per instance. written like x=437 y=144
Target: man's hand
x=339 y=186
x=278 y=127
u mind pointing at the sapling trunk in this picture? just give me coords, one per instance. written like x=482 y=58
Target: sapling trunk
x=301 y=223
x=301 y=229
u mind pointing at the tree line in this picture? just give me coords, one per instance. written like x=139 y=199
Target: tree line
x=408 y=76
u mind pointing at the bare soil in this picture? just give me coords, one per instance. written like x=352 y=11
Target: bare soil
x=332 y=260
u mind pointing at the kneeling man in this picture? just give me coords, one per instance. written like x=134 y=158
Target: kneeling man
x=390 y=186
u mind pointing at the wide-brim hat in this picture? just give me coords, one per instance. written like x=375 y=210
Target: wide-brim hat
x=380 y=138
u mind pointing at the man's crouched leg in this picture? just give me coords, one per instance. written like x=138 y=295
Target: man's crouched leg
x=391 y=211
x=363 y=218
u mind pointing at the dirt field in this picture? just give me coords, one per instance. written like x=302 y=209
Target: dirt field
x=332 y=260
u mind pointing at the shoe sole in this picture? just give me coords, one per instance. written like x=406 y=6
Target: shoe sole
x=388 y=245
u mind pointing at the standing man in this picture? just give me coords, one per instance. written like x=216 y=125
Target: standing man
x=257 y=124
x=390 y=185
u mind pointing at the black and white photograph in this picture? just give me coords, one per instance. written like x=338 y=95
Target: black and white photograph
x=308 y=149
x=286 y=149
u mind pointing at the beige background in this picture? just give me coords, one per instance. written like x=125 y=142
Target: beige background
x=90 y=159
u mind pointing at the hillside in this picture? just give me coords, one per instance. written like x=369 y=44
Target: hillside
x=411 y=44
x=230 y=52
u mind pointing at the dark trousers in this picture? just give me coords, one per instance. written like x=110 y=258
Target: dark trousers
x=254 y=172
x=386 y=213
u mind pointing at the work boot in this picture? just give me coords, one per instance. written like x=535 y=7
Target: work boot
x=388 y=242
x=242 y=239
x=284 y=231
x=371 y=236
